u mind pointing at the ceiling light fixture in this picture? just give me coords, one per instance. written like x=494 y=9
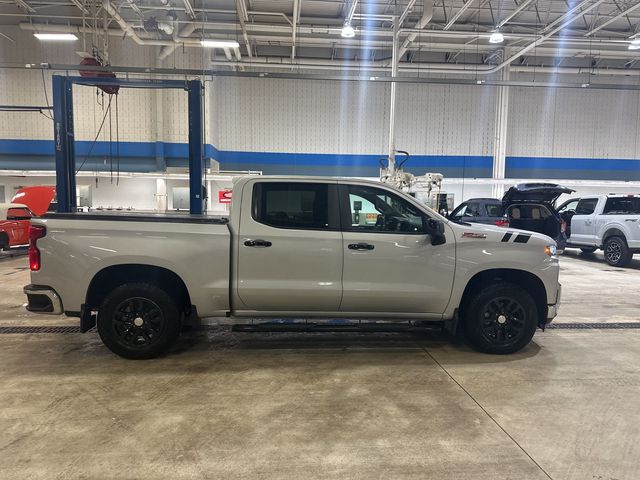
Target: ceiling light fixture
x=347 y=31
x=219 y=43
x=496 y=37
x=635 y=44
x=65 y=37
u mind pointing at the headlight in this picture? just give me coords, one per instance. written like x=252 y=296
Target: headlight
x=550 y=250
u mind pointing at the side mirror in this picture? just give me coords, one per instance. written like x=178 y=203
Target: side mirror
x=435 y=228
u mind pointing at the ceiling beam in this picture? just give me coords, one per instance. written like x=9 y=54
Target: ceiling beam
x=189 y=9
x=458 y=14
x=81 y=7
x=243 y=17
x=613 y=19
x=515 y=13
x=25 y=5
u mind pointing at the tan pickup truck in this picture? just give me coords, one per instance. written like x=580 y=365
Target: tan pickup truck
x=297 y=248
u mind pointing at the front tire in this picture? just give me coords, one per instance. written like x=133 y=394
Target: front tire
x=500 y=319
x=138 y=321
x=616 y=252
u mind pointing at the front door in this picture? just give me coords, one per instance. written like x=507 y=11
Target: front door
x=583 y=229
x=389 y=263
x=289 y=247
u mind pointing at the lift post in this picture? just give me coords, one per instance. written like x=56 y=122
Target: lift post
x=64 y=133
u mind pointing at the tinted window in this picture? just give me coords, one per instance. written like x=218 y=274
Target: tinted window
x=586 y=206
x=494 y=210
x=376 y=210
x=459 y=212
x=622 y=205
x=571 y=205
x=473 y=210
x=291 y=205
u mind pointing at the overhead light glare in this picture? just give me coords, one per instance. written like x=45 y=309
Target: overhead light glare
x=347 y=31
x=219 y=43
x=64 y=37
x=496 y=37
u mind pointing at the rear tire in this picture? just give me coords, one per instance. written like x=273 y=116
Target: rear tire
x=500 y=319
x=138 y=321
x=4 y=242
x=588 y=249
x=616 y=252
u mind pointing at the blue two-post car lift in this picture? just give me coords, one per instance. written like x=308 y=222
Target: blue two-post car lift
x=64 y=135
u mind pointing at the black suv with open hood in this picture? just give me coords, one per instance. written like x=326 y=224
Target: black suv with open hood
x=531 y=206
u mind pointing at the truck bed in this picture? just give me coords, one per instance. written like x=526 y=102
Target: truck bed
x=80 y=246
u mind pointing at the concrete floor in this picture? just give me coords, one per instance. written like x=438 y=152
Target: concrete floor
x=237 y=405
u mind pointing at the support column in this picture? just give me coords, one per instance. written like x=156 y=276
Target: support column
x=64 y=144
x=196 y=160
x=500 y=136
x=161 y=195
x=392 y=100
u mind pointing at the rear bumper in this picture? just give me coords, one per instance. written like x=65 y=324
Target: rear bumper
x=43 y=299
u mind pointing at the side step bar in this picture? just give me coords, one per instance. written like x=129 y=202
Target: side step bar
x=346 y=327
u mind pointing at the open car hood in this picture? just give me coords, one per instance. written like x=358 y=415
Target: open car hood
x=37 y=198
x=534 y=192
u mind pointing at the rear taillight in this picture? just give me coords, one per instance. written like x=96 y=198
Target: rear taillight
x=563 y=226
x=35 y=232
x=502 y=222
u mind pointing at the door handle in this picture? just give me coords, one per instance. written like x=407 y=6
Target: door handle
x=257 y=243
x=361 y=246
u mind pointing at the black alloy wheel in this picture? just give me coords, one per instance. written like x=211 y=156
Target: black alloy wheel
x=500 y=318
x=503 y=320
x=138 y=321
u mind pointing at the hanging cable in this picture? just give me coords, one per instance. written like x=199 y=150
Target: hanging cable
x=46 y=97
x=95 y=140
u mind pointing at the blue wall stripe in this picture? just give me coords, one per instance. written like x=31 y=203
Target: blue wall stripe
x=140 y=156
x=577 y=163
x=350 y=160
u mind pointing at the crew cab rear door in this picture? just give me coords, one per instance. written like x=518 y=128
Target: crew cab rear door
x=289 y=247
x=583 y=228
x=390 y=265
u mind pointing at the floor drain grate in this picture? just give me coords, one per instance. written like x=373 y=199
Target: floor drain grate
x=39 y=329
x=553 y=326
x=592 y=326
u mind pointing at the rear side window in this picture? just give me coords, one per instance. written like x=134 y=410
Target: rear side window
x=622 y=205
x=586 y=206
x=473 y=210
x=494 y=210
x=291 y=205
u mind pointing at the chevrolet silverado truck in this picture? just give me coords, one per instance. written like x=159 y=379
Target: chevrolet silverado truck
x=607 y=222
x=293 y=248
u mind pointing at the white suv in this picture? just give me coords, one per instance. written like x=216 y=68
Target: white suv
x=610 y=222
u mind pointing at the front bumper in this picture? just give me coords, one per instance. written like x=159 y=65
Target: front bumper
x=43 y=299
x=552 y=309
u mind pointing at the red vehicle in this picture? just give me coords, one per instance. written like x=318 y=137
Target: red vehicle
x=39 y=199
x=14 y=225
x=15 y=216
